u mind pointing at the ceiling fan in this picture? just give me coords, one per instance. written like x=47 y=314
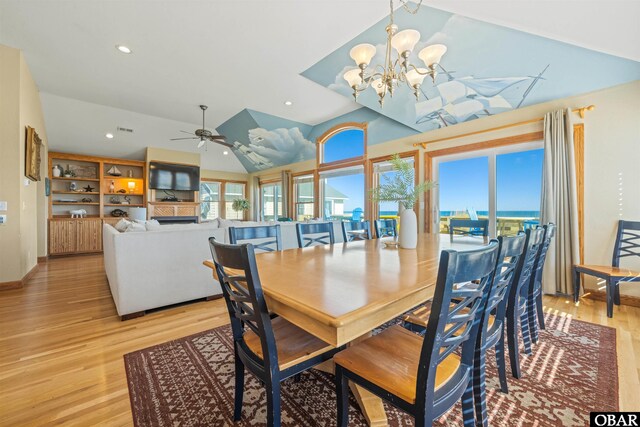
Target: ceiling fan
x=205 y=135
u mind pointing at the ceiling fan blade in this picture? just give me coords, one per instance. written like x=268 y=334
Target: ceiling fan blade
x=190 y=133
x=226 y=144
x=201 y=143
x=222 y=137
x=180 y=139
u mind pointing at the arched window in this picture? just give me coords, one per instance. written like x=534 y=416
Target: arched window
x=343 y=143
x=342 y=151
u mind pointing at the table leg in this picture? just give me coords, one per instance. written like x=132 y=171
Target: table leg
x=370 y=405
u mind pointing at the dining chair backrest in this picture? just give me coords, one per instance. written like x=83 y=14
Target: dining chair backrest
x=359 y=226
x=536 y=277
x=464 y=276
x=260 y=233
x=627 y=241
x=237 y=272
x=313 y=234
x=526 y=265
x=510 y=250
x=386 y=228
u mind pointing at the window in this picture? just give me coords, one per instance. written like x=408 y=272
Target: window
x=209 y=200
x=233 y=191
x=303 y=197
x=342 y=193
x=271 y=198
x=213 y=206
x=500 y=184
x=382 y=171
x=343 y=143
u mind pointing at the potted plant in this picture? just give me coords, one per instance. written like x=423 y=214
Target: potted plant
x=240 y=205
x=401 y=188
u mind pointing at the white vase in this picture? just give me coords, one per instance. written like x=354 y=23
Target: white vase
x=408 y=238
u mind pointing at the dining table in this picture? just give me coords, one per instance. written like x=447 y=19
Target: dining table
x=342 y=292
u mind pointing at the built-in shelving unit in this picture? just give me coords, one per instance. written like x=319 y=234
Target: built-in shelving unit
x=96 y=191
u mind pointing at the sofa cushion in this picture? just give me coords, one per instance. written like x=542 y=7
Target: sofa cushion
x=135 y=227
x=122 y=225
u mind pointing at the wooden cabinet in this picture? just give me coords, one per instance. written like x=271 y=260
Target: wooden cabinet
x=157 y=209
x=81 y=235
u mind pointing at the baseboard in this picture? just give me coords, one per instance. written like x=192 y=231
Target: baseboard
x=42 y=259
x=17 y=284
x=624 y=299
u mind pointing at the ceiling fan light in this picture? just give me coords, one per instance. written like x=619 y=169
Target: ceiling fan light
x=431 y=55
x=201 y=143
x=353 y=77
x=405 y=40
x=362 y=53
x=414 y=78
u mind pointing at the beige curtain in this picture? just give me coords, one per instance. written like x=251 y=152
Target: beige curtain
x=256 y=208
x=286 y=178
x=560 y=202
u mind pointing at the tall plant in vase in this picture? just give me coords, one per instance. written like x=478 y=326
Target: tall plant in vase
x=401 y=188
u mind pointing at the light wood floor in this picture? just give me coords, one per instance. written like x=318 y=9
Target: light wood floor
x=62 y=344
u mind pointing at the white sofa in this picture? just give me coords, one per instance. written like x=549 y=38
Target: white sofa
x=153 y=269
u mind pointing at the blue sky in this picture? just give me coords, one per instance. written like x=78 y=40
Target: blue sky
x=462 y=183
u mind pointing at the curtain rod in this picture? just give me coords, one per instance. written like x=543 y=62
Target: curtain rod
x=581 y=111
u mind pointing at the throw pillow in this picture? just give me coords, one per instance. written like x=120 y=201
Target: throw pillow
x=122 y=225
x=135 y=227
x=152 y=224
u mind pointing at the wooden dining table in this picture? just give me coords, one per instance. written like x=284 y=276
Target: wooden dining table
x=341 y=292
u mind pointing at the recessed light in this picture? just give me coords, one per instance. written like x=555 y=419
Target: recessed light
x=123 y=48
x=109 y=135
x=225 y=152
x=288 y=103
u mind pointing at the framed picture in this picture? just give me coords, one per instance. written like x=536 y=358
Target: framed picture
x=32 y=155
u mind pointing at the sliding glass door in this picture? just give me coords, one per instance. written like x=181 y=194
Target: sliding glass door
x=500 y=184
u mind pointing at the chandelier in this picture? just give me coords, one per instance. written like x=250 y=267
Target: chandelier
x=396 y=69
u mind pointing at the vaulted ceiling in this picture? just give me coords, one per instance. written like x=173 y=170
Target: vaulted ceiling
x=241 y=54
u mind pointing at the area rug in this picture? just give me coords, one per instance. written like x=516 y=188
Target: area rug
x=189 y=382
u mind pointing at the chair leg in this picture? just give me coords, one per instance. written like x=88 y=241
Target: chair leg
x=610 y=293
x=273 y=404
x=616 y=293
x=526 y=334
x=576 y=285
x=342 y=390
x=512 y=341
x=502 y=366
x=239 y=392
x=540 y=310
x=468 y=414
x=479 y=392
x=532 y=322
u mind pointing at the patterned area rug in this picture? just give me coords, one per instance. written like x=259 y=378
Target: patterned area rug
x=189 y=381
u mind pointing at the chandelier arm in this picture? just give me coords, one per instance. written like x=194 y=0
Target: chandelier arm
x=417 y=70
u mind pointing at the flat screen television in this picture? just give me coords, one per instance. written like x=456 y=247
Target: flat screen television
x=169 y=176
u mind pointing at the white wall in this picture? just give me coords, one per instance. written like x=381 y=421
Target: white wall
x=79 y=127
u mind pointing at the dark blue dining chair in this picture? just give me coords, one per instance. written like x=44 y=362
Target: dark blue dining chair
x=315 y=233
x=272 y=349
x=260 y=233
x=400 y=366
x=535 y=310
x=386 y=228
x=491 y=335
x=362 y=230
x=627 y=245
x=517 y=318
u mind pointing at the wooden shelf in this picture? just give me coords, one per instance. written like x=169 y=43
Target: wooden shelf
x=123 y=194
x=75 y=178
x=125 y=205
x=76 y=192
x=77 y=203
x=57 y=217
